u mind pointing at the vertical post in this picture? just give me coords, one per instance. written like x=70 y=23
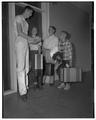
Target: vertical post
x=11 y=45
x=45 y=19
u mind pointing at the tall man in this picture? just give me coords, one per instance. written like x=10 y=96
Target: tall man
x=22 y=50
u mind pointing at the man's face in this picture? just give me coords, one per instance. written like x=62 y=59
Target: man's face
x=51 y=31
x=28 y=13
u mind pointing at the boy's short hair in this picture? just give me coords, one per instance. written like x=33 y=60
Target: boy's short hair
x=29 y=8
x=68 y=35
x=54 y=28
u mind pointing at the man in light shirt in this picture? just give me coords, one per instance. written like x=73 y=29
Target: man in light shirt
x=50 y=44
x=22 y=50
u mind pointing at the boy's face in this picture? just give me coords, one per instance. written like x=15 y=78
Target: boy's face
x=62 y=36
x=34 y=31
x=51 y=31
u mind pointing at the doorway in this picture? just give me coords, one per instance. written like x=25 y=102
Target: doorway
x=40 y=20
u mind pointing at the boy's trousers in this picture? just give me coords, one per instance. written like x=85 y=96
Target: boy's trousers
x=22 y=64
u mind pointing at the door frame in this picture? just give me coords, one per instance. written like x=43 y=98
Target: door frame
x=44 y=10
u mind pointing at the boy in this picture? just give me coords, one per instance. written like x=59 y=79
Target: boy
x=64 y=56
x=35 y=49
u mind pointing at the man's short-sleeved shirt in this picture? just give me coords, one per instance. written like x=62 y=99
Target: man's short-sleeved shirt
x=51 y=42
x=20 y=19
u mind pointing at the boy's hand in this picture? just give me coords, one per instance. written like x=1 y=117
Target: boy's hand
x=70 y=63
x=58 y=57
x=39 y=49
x=67 y=66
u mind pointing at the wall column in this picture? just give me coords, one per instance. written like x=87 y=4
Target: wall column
x=45 y=19
x=11 y=45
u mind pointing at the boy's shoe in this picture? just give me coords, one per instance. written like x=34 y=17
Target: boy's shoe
x=62 y=85
x=67 y=87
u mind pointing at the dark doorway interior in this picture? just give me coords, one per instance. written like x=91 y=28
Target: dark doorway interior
x=34 y=21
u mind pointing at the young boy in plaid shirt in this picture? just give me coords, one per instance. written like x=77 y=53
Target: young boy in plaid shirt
x=64 y=56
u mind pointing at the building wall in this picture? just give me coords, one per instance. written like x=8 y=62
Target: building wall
x=65 y=16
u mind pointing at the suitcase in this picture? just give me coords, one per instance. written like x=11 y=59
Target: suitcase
x=36 y=72
x=70 y=75
x=38 y=60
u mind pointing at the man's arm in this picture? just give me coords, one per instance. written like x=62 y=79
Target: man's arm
x=36 y=40
x=33 y=41
x=22 y=34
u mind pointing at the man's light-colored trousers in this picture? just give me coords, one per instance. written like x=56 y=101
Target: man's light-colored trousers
x=22 y=64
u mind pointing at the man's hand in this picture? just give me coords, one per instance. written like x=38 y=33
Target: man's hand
x=33 y=40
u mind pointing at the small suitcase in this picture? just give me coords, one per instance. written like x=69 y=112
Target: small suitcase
x=70 y=75
x=38 y=62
